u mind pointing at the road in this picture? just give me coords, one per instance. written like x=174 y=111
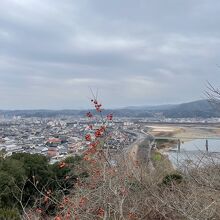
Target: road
x=141 y=148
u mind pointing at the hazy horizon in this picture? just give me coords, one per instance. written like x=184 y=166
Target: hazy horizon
x=134 y=52
x=90 y=107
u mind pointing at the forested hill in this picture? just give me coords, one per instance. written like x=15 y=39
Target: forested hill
x=201 y=108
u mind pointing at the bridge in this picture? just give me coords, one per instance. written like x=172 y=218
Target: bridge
x=185 y=138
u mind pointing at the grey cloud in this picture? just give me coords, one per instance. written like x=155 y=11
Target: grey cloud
x=135 y=52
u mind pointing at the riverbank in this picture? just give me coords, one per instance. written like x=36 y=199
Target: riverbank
x=184 y=131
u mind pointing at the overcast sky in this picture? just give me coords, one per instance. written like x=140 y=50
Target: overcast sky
x=135 y=52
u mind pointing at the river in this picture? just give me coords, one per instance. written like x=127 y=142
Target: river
x=193 y=153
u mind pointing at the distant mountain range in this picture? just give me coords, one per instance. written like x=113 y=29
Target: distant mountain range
x=200 y=108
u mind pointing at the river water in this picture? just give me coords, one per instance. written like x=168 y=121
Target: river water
x=193 y=153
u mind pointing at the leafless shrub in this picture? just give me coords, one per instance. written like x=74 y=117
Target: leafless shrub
x=124 y=192
x=213 y=95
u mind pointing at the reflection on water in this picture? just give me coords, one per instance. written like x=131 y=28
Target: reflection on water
x=194 y=153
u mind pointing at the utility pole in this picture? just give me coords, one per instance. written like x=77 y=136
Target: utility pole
x=179 y=143
x=207 y=145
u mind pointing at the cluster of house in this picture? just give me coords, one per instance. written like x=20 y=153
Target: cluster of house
x=55 y=138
